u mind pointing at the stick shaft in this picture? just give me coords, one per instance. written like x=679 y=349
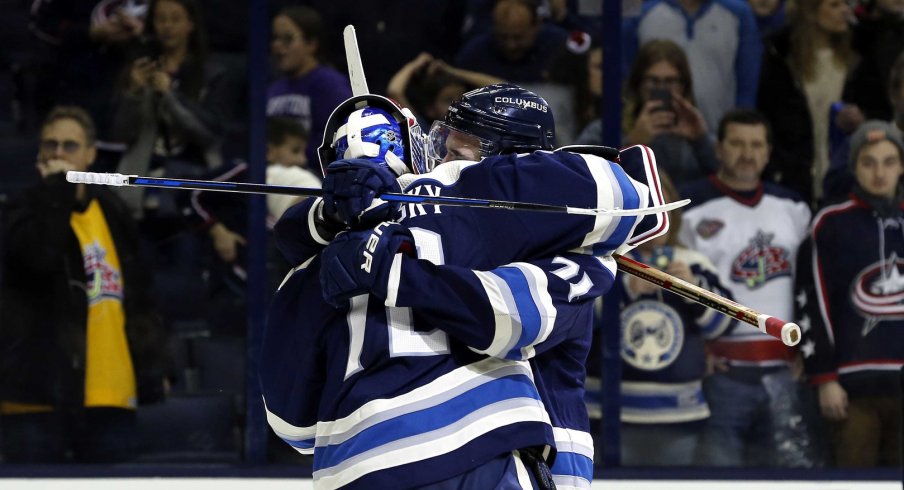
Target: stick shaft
x=221 y=186
x=250 y=188
x=788 y=333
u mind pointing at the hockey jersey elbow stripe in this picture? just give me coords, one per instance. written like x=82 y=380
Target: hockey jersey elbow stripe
x=505 y=326
x=524 y=310
x=607 y=197
x=629 y=198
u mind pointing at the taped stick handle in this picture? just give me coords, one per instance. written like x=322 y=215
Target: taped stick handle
x=787 y=332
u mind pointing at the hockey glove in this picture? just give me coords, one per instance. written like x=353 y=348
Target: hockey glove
x=350 y=191
x=358 y=262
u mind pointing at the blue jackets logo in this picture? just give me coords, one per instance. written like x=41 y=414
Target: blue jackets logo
x=760 y=262
x=878 y=291
x=652 y=335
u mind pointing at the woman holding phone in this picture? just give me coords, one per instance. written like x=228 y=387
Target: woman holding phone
x=660 y=112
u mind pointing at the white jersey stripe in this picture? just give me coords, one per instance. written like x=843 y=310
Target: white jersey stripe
x=380 y=458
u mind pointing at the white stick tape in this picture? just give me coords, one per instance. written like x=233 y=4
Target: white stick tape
x=97 y=178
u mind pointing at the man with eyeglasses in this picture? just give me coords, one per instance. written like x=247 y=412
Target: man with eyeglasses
x=723 y=46
x=81 y=344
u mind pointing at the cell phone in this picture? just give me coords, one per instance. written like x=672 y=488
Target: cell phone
x=150 y=47
x=665 y=95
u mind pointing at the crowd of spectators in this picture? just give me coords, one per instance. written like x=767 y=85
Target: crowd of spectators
x=765 y=113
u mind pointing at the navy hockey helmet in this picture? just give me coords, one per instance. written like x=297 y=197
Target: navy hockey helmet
x=376 y=128
x=503 y=118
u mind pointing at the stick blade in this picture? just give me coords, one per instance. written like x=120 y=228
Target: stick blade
x=353 y=57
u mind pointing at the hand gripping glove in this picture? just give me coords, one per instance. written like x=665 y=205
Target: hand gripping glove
x=350 y=191
x=358 y=262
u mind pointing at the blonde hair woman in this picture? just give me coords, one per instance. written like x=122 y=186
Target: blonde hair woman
x=805 y=69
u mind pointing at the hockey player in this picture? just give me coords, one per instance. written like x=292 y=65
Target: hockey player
x=392 y=399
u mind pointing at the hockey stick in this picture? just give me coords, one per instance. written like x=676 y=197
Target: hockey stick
x=115 y=179
x=787 y=332
x=353 y=57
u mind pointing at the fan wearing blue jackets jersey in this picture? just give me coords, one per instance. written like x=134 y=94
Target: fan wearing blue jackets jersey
x=460 y=366
x=750 y=230
x=663 y=354
x=850 y=303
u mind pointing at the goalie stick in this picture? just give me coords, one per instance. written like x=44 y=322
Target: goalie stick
x=353 y=58
x=120 y=180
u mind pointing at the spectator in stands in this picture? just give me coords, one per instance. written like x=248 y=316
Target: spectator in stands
x=852 y=314
x=659 y=112
x=404 y=28
x=570 y=15
x=520 y=47
x=222 y=216
x=168 y=111
x=308 y=90
x=88 y=42
x=82 y=345
x=839 y=178
x=428 y=85
x=805 y=68
x=722 y=43
x=588 y=93
x=878 y=39
x=751 y=231
x=663 y=355
x=770 y=15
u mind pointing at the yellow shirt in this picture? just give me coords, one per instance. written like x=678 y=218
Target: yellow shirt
x=109 y=375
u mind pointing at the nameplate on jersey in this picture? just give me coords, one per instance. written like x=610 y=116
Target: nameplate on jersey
x=413 y=210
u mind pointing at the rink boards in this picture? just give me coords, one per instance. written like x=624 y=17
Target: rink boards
x=302 y=484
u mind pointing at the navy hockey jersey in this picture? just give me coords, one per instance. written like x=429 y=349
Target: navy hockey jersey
x=432 y=380
x=663 y=358
x=852 y=297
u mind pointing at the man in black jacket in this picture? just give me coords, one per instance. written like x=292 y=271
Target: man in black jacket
x=80 y=346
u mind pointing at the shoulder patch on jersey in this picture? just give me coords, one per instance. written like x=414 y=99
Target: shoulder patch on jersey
x=708 y=228
x=652 y=335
